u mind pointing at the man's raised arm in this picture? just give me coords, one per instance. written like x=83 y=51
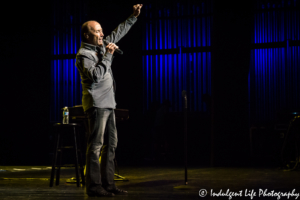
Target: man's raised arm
x=125 y=26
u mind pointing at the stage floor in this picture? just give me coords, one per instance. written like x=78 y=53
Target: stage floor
x=32 y=182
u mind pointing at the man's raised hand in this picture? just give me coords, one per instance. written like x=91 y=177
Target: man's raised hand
x=137 y=9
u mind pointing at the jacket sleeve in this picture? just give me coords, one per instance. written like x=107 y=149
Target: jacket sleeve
x=121 y=30
x=91 y=70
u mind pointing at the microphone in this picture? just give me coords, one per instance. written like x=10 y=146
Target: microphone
x=119 y=51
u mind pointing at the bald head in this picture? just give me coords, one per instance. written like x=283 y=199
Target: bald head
x=92 y=33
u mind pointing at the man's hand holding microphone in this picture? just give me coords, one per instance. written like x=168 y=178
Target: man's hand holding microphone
x=111 y=47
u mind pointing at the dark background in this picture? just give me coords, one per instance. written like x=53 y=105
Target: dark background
x=26 y=137
x=25 y=35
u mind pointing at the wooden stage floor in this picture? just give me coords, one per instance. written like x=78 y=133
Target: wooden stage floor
x=32 y=183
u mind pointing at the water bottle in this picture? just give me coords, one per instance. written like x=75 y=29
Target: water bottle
x=65 y=115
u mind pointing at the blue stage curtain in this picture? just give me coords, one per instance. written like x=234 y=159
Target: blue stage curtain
x=177 y=26
x=65 y=79
x=274 y=77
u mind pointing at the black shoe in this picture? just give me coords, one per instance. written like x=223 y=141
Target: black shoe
x=117 y=191
x=100 y=193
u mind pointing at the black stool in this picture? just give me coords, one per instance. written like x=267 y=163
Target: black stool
x=62 y=129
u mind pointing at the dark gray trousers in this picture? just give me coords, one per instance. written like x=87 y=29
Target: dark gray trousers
x=102 y=128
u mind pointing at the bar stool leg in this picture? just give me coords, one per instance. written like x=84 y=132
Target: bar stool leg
x=54 y=159
x=80 y=161
x=76 y=159
x=59 y=149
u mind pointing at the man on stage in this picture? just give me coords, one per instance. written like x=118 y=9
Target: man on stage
x=93 y=62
